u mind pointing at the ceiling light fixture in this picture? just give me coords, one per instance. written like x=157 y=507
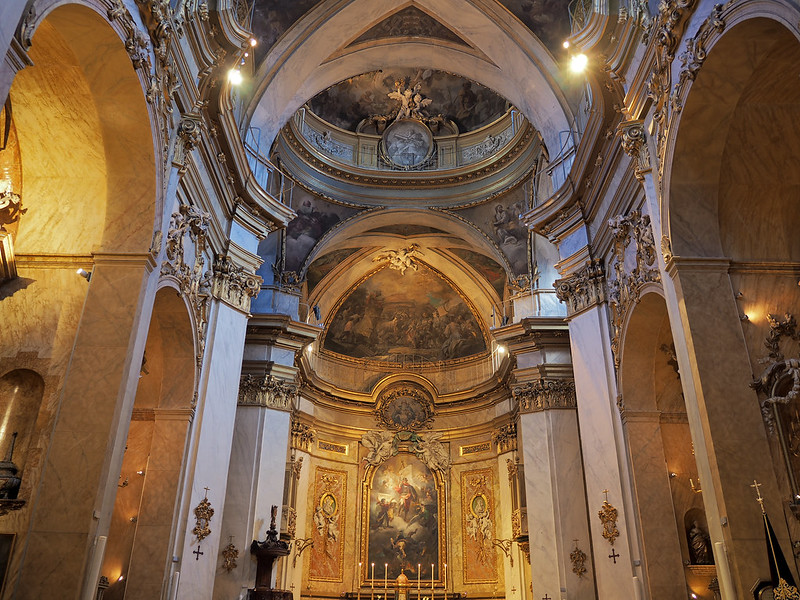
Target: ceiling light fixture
x=578 y=63
x=235 y=76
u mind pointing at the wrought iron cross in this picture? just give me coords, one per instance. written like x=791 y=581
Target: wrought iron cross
x=197 y=553
x=614 y=555
x=546 y=597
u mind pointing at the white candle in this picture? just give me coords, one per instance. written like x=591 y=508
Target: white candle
x=373 y=576
x=445 y=575
x=385 y=578
x=432 y=571
x=419 y=569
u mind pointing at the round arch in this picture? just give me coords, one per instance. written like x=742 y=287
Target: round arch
x=86 y=139
x=288 y=78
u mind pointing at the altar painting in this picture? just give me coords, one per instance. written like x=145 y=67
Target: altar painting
x=403 y=520
x=478 y=521
x=327 y=524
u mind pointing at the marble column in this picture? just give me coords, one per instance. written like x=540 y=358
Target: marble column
x=267 y=396
x=549 y=443
x=617 y=568
x=85 y=454
x=729 y=437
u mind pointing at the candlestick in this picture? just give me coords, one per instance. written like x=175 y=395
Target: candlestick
x=372 y=581
x=385 y=578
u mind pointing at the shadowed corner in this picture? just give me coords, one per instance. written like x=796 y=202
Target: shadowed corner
x=12 y=286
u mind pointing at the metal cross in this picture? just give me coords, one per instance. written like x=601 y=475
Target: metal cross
x=614 y=555
x=760 y=498
x=606 y=493
x=546 y=597
x=197 y=553
x=206 y=489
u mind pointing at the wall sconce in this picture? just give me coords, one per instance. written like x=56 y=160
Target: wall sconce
x=505 y=546
x=695 y=488
x=85 y=274
x=300 y=544
x=140 y=473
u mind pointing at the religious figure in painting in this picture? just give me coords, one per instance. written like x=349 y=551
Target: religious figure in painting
x=402 y=528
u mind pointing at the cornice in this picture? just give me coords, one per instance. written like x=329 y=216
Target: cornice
x=280 y=330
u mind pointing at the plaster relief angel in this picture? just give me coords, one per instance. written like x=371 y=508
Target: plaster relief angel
x=380 y=445
x=405 y=98
x=327 y=528
x=479 y=528
x=432 y=452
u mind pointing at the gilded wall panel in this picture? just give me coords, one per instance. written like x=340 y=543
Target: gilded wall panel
x=328 y=525
x=478 y=526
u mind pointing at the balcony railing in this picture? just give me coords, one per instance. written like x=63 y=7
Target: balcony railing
x=267 y=175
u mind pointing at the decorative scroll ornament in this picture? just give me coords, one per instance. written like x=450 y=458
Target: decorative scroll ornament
x=233 y=285
x=10 y=206
x=189 y=226
x=268 y=392
x=401 y=260
x=513 y=470
x=297 y=467
x=608 y=517
x=229 y=554
x=635 y=145
x=505 y=438
x=582 y=289
x=545 y=394
x=302 y=436
x=189 y=131
x=668 y=28
x=578 y=559
x=429 y=449
x=404 y=407
x=289 y=520
x=202 y=514
x=624 y=289
x=779 y=383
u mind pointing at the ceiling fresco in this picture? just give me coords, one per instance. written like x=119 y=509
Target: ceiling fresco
x=488 y=268
x=414 y=316
x=315 y=217
x=407 y=230
x=468 y=104
x=547 y=19
x=499 y=220
x=318 y=269
x=409 y=22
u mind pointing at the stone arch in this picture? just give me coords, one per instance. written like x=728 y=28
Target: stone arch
x=91 y=184
x=287 y=78
x=142 y=530
x=659 y=445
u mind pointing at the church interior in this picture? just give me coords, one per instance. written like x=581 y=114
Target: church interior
x=399 y=299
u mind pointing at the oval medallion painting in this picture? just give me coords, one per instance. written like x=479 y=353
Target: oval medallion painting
x=407 y=143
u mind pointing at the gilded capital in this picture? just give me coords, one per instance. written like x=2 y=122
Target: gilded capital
x=582 y=289
x=233 y=284
x=268 y=392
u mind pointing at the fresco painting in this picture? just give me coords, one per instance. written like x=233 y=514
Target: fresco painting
x=468 y=104
x=547 y=19
x=394 y=317
x=272 y=18
x=407 y=230
x=409 y=22
x=491 y=271
x=500 y=220
x=403 y=529
x=323 y=265
x=314 y=217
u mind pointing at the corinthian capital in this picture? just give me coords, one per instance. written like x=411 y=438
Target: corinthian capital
x=582 y=289
x=233 y=284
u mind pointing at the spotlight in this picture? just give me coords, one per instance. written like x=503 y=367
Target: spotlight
x=235 y=76
x=121 y=577
x=140 y=473
x=578 y=63
x=85 y=274
x=501 y=349
x=566 y=44
x=744 y=317
x=253 y=42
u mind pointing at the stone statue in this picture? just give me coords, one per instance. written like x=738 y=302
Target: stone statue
x=699 y=546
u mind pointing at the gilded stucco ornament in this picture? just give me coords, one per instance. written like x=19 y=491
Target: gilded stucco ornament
x=188 y=228
x=583 y=289
x=229 y=555
x=202 y=514
x=505 y=438
x=624 y=288
x=10 y=206
x=608 y=517
x=404 y=407
x=578 y=559
x=302 y=436
x=427 y=447
x=402 y=259
x=268 y=392
x=545 y=394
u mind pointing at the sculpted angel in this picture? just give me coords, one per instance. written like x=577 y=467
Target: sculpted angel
x=380 y=445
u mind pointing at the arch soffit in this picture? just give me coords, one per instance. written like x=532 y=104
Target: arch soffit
x=679 y=217
x=111 y=39
x=399 y=378
x=288 y=77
